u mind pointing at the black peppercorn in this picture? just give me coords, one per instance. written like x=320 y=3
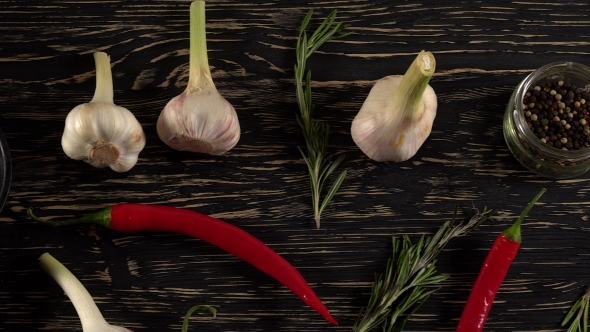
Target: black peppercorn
x=558 y=114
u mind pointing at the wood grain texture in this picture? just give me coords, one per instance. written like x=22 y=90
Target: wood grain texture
x=147 y=282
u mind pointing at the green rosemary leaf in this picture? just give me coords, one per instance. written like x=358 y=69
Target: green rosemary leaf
x=305 y=22
x=579 y=313
x=329 y=170
x=408 y=306
x=585 y=319
x=333 y=190
x=410 y=277
x=316 y=133
x=571 y=312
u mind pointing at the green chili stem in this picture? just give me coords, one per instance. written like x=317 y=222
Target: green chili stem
x=102 y=217
x=103 y=92
x=199 y=72
x=513 y=232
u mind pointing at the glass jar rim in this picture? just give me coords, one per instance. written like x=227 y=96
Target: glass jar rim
x=555 y=68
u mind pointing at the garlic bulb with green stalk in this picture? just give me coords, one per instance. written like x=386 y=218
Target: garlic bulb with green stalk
x=397 y=116
x=90 y=316
x=199 y=119
x=100 y=132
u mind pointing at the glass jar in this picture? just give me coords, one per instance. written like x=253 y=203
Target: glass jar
x=530 y=150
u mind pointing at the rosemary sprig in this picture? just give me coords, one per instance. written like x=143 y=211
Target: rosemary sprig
x=316 y=133
x=410 y=276
x=580 y=309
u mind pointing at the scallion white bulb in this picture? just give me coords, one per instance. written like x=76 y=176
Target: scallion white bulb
x=90 y=317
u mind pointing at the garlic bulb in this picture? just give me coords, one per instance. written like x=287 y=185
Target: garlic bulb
x=199 y=119
x=101 y=133
x=90 y=317
x=397 y=116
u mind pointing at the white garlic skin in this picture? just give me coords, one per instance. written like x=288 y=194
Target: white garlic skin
x=199 y=121
x=385 y=133
x=94 y=126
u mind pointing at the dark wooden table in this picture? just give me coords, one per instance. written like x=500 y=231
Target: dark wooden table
x=147 y=282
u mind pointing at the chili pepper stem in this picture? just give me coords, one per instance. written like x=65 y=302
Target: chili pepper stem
x=513 y=232
x=102 y=217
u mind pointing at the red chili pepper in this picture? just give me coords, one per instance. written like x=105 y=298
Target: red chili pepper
x=492 y=275
x=234 y=240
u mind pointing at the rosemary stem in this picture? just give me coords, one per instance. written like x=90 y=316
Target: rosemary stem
x=316 y=133
x=409 y=274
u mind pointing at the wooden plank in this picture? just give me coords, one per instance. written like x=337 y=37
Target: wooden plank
x=148 y=281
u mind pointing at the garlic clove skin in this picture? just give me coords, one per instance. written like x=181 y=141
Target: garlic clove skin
x=199 y=121
x=384 y=136
x=100 y=132
x=103 y=135
x=397 y=115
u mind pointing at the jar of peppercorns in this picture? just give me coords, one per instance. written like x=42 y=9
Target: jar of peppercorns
x=547 y=120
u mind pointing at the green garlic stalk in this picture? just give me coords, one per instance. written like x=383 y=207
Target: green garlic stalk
x=90 y=316
x=192 y=310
